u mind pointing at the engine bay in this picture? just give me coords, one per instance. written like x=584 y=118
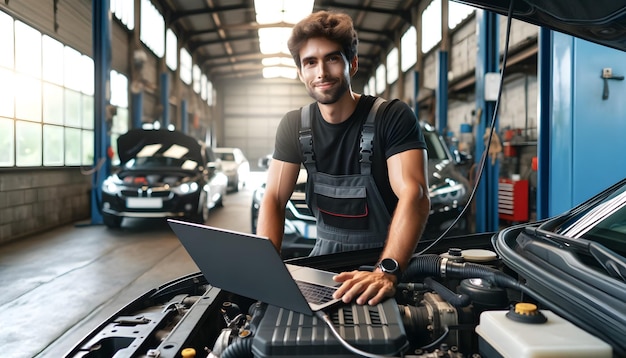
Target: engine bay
x=436 y=312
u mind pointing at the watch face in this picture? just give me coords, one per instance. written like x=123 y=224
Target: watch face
x=389 y=265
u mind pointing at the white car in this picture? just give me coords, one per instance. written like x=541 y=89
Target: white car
x=235 y=165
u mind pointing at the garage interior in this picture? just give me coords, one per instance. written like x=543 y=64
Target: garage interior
x=65 y=271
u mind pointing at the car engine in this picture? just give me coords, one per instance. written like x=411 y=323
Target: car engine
x=435 y=313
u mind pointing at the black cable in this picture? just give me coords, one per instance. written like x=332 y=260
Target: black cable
x=326 y=319
x=483 y=159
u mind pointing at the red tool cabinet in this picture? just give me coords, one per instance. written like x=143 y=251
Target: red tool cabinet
x=513 y=200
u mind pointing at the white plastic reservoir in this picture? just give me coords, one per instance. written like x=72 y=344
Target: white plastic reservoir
x=556 y=337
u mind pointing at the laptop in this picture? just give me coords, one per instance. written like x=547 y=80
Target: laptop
x=249 y=265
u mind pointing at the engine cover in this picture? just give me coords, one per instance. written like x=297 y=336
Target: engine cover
x=374 y=329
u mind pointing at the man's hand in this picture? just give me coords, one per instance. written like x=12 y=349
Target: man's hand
x=367 y=287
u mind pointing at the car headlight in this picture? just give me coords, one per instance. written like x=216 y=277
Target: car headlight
x=185 y=188
x=110 y=186
x=448 y=192
x=258 y=194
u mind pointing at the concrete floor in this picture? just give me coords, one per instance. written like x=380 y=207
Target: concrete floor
x=59 y=285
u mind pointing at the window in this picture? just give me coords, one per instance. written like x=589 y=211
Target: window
x=431 y=25
x=209 y=90
x=27 y=50
x=409 y=48
x=203 y=87
x=196 y=78
x=7 y=55
x=171 y=50
x=124 y=11
x=28 y=144
x=392 y=65
x=185 y=66
x=53 y=66
x=457 y=12
x=381 y=82
x=119 y=98
x=46 y=98
x=152 y=32
x=7 y=142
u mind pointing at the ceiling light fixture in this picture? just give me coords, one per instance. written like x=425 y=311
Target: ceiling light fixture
x=272 y=40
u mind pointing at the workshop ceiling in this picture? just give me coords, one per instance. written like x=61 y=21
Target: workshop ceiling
x=222 y=35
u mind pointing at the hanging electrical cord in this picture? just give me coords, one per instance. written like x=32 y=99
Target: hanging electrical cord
x=483 y=158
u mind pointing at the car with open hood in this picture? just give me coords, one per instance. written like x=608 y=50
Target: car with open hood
x=162 y=173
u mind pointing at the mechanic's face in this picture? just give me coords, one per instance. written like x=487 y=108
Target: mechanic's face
x=324 y=70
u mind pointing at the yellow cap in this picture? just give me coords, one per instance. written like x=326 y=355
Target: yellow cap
x=526 y=309
x=188 y=353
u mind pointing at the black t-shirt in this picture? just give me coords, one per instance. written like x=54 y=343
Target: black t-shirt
x=336 y=146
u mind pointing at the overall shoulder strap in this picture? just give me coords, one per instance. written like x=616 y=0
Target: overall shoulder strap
x=367 y=137
x=306 y=138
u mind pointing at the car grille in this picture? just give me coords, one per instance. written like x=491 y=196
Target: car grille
x=146 y=193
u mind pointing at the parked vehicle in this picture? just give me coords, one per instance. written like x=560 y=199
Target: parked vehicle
x=162 y=173
x=235 y=166
x=449 y=191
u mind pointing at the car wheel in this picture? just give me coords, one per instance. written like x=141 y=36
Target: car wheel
x=112 y=221
x=236 y=184
x=255 y=217
x=202 y=216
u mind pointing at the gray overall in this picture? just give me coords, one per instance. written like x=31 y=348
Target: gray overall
x=349 y=209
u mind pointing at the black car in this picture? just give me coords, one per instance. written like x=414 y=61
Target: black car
x=448 y=188
x=162 y=173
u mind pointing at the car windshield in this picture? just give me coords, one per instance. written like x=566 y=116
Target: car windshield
x=436 y=149
x=228 y=157
x=604 y=223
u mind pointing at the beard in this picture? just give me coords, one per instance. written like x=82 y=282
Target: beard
x=329 y=96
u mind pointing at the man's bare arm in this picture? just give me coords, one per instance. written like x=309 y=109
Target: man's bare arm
x=281 y=180
x=408 y=175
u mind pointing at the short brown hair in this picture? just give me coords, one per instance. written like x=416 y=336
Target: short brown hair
x=334 y=26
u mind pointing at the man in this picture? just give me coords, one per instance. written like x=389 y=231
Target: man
x=359 y=200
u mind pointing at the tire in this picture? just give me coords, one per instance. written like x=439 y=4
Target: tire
x=202 y=216
x=112 y=221
x=237 y=185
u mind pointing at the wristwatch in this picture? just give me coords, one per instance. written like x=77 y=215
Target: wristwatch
x=389 y=265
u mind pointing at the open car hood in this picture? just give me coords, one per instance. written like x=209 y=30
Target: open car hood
x=147 y=142
x=599 y=21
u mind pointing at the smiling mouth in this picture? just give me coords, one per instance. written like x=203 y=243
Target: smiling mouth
x=324 y=85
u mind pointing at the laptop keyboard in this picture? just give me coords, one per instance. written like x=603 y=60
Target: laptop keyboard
x=316 y=294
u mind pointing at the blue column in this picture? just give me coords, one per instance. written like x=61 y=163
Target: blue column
x=165 y=102
x=487 y=60
x=136 y=105
x=101 y=37
x=544 y=79
x=441 y=109
x=184 y=118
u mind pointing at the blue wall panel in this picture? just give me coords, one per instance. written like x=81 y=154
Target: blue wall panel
x=588 y=146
